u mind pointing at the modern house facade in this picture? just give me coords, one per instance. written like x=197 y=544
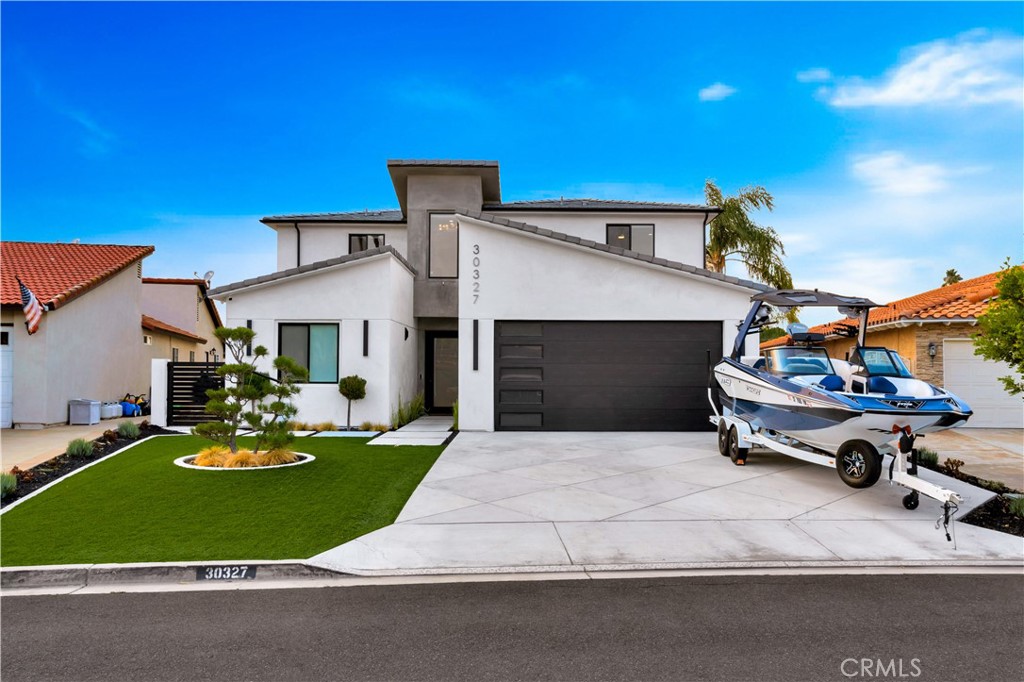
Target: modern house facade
x=565 y=314
x=933 y=332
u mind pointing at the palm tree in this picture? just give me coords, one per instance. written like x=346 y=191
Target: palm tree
x=734 y=236
x=952 y=277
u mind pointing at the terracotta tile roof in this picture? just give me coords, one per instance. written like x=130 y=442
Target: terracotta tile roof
x=964 y=300
x=58 y=273
x=155 y=325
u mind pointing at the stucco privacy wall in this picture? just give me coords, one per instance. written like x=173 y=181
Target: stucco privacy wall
x=321 y=241
x=528 y=277
x=377 y=289
x=676 y=237
x=90 y=348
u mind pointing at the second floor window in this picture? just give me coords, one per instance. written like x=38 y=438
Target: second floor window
x=444 y=246
x=639 y=238
x=362 y=242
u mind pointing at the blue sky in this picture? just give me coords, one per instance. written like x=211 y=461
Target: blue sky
x=892 y=135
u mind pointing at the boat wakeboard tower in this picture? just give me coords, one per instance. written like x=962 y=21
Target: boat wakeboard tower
x=848 y=414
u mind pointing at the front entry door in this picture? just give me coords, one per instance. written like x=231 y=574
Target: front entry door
x=442 y=375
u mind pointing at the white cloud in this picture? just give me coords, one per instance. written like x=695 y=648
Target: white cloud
x=716 y=92
x=892 y=172
x=815 y=75
x=971 y=69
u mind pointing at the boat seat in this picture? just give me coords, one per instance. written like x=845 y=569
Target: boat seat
x=832 y=382
x=881 y=385
x=845 y=372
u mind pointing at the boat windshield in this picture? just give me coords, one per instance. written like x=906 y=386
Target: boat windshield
x=798 y=361
x=879 y=362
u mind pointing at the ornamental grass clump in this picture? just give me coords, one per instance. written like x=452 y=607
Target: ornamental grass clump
x=79 y=447
x=278 y=457
x=212 y=456
x=129 y=430
x=8 y=484
x=1017 y=506
x=242 y=459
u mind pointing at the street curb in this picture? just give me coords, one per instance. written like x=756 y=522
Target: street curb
x=186 y=572
x=83 y=575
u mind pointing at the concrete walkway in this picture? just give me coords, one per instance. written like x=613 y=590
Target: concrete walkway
x=589 y=501
x=25 y=448
x=422 y=431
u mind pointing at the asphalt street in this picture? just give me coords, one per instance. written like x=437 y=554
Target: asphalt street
x=911 y=627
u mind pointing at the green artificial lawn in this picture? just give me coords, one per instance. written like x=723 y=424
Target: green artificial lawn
x=139 y=506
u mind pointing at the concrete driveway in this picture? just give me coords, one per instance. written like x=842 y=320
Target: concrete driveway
x=615 y=501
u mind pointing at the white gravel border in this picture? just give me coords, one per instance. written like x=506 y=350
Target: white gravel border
x=182 y=463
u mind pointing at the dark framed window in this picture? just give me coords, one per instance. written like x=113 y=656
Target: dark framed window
x=639 y=238
x=191 y=356
x=174 y=355
x=362 y=242
x=314 y=346
x=444 y=246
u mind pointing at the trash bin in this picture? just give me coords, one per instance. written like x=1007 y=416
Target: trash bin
x=81 y=411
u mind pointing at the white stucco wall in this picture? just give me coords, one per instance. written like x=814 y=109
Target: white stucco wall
x=379 y=290
x=528 y=277
x=678 y=237
x=321 y=241
x=89 y=348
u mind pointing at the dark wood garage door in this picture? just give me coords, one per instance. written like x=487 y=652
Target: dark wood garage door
x=603 y=376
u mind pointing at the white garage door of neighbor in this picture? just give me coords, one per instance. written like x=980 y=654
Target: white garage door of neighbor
x=976 y=380
x=6 y=380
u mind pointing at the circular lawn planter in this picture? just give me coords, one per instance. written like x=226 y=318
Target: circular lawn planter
x=186 y=463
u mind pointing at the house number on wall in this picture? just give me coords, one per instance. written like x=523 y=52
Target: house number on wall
x=476 y=273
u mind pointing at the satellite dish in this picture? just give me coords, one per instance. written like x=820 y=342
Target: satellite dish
x=208 y=276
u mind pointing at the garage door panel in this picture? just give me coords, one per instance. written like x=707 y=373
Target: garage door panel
x=603 y=376
x=976 y=381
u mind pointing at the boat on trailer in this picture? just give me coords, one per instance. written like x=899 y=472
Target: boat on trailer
x=844 y=413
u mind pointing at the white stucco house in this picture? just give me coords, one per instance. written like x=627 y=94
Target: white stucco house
x=563 y=314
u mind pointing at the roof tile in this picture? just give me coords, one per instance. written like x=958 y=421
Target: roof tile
x=57 y=273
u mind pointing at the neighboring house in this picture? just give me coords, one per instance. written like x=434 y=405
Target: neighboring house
x=565 y=314
x=179 y=319
x=932 y=331
x=88 y=344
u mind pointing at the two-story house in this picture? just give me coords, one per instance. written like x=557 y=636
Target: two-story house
x=563 y=314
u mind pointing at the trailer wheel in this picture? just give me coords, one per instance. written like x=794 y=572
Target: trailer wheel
x=911 y=501
x=723 y=438
x=858 y=464
x=737 y=454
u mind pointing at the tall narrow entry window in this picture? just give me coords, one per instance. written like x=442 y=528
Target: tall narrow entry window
x=444 y=246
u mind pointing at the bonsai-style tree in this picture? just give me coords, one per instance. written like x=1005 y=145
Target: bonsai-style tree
x=352 y=388
x=250 y=398
x=1002 y=327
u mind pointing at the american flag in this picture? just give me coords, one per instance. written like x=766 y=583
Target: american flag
x=32 y=308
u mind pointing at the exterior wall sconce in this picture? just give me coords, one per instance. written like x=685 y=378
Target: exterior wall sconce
x=932 y=350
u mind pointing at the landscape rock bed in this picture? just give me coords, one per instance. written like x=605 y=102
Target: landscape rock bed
x=46 y=472
x=996 y=515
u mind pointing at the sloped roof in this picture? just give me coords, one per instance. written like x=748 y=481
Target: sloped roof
x=458 y=163
x=964 y=300
x=59 y=273
x=600 y=205
x=312 y=267
x=153 y=324
x=615 y=250
x=385 y=216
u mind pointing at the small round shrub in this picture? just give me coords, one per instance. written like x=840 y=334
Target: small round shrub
x=212 y=456
x=241 y=460
x=8 y=484
x=79 y=447
x=275 y=457
x=128 y=430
